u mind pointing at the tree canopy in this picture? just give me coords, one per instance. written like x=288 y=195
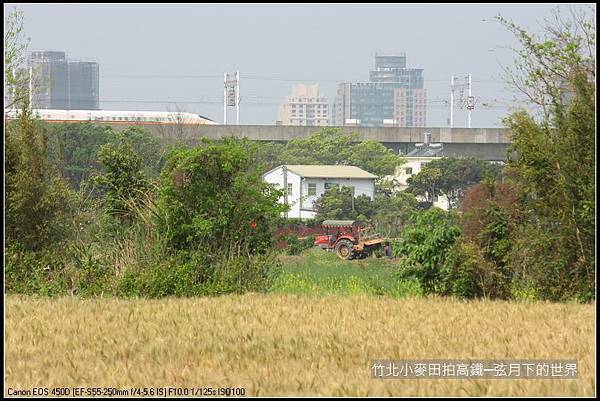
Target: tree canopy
x=554 y=164
x=331 y=146
x=450 y=177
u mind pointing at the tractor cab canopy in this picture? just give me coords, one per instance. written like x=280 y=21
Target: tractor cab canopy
x=340 y=223
x=341 y=226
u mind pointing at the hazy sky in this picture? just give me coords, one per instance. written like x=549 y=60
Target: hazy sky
x=154 y=57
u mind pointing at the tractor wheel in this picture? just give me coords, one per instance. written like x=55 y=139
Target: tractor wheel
x=344 y=249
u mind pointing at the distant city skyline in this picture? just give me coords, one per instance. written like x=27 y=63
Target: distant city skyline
x=61 y=83
x=163 y=57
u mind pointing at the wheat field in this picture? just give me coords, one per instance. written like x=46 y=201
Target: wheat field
x=289 y=344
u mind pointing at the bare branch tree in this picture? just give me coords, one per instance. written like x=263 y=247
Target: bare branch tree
x=16 y=76
x=545 y=65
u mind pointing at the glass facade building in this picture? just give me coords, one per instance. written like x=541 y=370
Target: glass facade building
x=84 y=86
x=394 y=96
x=58 y=83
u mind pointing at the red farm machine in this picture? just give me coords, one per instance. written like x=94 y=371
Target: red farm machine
x=351 y=240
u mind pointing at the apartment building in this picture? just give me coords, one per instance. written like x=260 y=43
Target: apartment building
x=304 y=107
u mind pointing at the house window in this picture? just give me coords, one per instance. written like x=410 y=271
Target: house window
x=289 y=189
x=408 y=170
x=312 y=189
x=331 y=185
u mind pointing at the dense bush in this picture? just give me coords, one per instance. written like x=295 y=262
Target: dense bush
x=392 y=213
x=73 y=148
x=465 y=272
x=38 y=200
x=425 y=246
x=192 y=274
x=487 y=222
x=213 y=200
x=179 y=275
x=468 y=274
x=553 y=162
x=147 y=147
x=122 y=182
x=295 y=246
x=151 y=253
x=28 y=272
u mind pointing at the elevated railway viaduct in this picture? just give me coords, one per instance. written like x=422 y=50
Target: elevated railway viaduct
x=484 y=143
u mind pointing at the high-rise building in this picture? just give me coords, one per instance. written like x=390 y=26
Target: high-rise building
x=57 y=83
x=394 y=96
x=305 y=106
x=84 y=85
x=49 y=76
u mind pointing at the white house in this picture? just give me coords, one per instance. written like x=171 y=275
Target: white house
x=306 y=183
x=415 y=160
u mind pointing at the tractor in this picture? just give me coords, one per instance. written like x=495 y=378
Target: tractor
x=350 y=239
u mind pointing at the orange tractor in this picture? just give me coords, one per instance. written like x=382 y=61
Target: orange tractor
x=351 y=240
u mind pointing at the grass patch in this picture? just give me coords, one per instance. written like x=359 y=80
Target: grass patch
x=318 y=272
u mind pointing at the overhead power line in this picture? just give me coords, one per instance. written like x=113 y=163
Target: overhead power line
x=258 y=78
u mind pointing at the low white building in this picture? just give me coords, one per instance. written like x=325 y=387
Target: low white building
x=415 y=161
x=306 y=183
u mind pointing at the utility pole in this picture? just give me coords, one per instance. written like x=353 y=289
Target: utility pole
x=452 y=101
x=462 y=84
x=470 y=102
x=285 y=189
x=225 y=99
x=300 y=198
x=237 y=99
x=231 y=95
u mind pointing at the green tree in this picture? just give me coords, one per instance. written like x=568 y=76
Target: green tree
x=147 y=147
x=341 y=204
x=479 y=263
x=450 y=177
x=327 y=146
x=123 y=180
x=74 y=149
x=268 y=155
x=392 y=213
x=424 y=247
x=425 y=183
x=555 y=158
x=375 y=158
x=214 y=200
x=38 y=200
x=333 y=147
